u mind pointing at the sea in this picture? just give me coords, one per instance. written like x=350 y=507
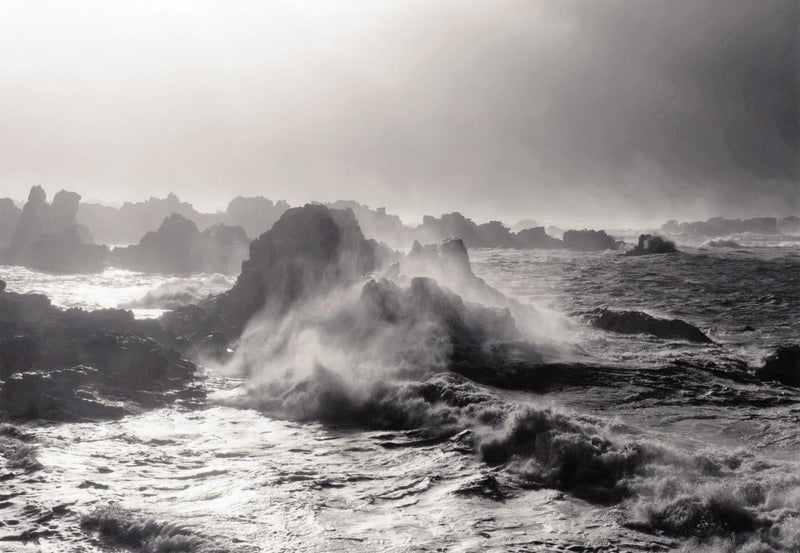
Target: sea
x=654 y=445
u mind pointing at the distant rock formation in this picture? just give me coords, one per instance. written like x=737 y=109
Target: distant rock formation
x=48 y=238
x=536 y=238
x=487 y=235
x=789 y=225
x=636 y=322
x=589 y=240
x=718 y=226
x=179 y=247
x=309 y=251
x=255 y=215
x=9 y=219
x=73 y=364
x=377 y=224
x=782 y=366
x=524 y=224
x=722 y=244
x=127 y=224
x=650 y=245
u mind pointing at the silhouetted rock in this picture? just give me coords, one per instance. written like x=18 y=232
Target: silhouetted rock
x=524 y=225
x=68 y=364
x=9 y=219
x=48 y=238
x=309 y=251
x=255 y=215
x=487 y=235
x=722 y=244
x=636 y=322
x=2 y=286
x=649 y=245
x=537 y=238
x=782 y=366
x=589 y=240
x=378 y=224
x=178 y=247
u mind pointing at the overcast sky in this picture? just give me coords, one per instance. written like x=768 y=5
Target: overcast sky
x=584 y=112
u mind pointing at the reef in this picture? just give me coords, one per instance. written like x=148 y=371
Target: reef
x=650 y=245
x=636 y=322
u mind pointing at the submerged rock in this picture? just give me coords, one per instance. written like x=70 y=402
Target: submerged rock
x=649 y=244
x=782 y=366
x=636 y=322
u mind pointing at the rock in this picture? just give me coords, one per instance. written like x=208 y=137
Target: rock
x=48 y=238
x=636 y=322
x=717 y=226
x=537 y=238
x=649 y=245
x=255 y=215
x=2 y=286
x=782 y=366
x=72 y=363
x=489 y=235
x=589 y=240
x=309 y=251
x=179 y=247
x=9 y=219
x=63 y=252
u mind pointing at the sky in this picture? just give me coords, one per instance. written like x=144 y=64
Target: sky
x=606 y=113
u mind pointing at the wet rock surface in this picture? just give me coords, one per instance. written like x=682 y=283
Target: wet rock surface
x=70 y=364
x=782 y=366
x=636 y=322
x=650 y=245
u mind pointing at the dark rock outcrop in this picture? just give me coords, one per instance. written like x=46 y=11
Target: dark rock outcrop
x=782 y=366
x=179 y=247
x=536 y=238
x=650 y=245
x=636 y=322
x=63 y=252
x=589 y=240
x=69 y=364
x=309 y=251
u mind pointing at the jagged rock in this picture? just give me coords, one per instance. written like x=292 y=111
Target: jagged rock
x=309 y=251
x=68 y=356
x=255 y=215
x=488 y=235
x=179 y=247
x=649 y=245
x=589 y=240
x=636 y=322
x=537 y=238
x=782 y=366
x=47 y=237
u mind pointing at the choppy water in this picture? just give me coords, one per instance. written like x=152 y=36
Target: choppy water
x=230 y=479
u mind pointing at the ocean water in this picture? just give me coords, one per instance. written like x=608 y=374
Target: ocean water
x=654 y=445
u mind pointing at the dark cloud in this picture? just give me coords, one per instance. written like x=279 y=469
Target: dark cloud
x=607 y=112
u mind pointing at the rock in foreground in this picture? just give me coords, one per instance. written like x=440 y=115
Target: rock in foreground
x=649 y=245
x=782 y=366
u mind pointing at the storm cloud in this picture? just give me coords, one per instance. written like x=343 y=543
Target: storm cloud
x=613 y=112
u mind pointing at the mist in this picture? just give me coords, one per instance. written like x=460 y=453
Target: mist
x=609 y=113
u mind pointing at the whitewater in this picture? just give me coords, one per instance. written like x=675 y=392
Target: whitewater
x=638 y=443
